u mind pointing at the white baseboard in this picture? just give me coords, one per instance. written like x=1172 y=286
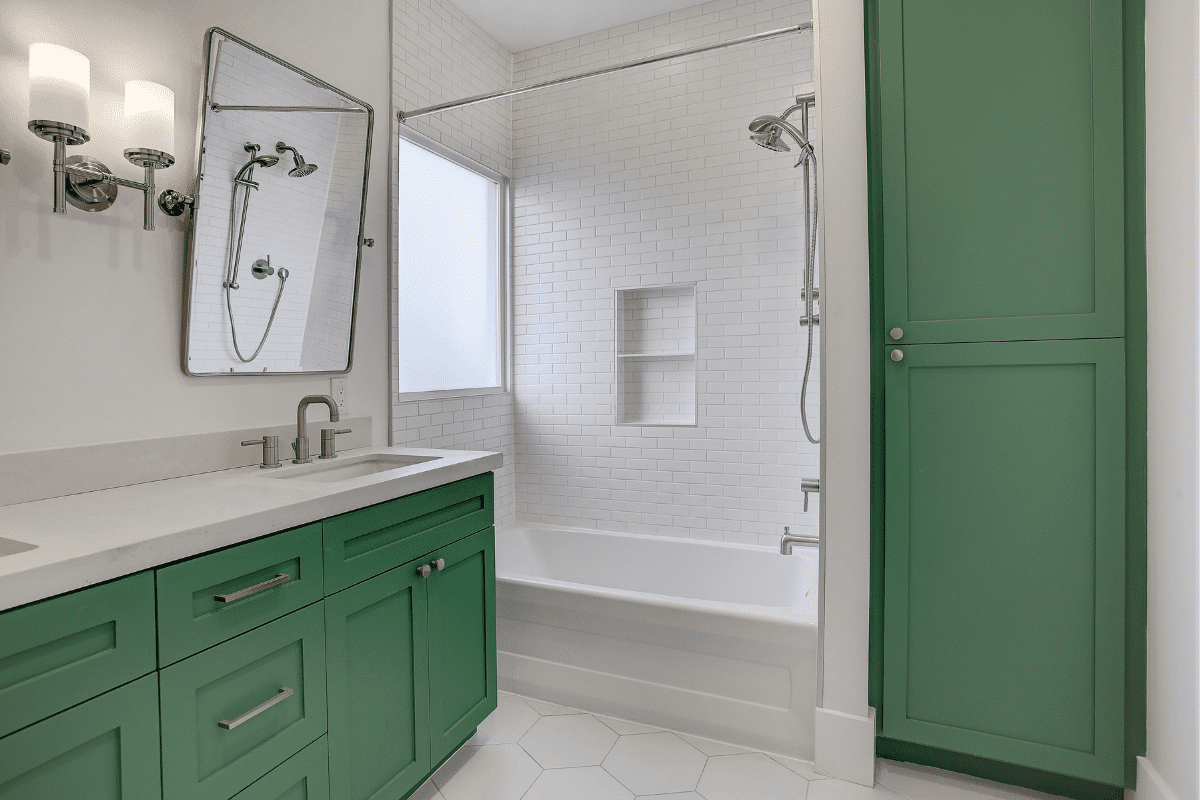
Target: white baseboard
x=1150 y=785
x=845 y=746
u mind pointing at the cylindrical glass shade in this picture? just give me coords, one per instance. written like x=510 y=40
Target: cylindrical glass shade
x=59 y=85
x=149 y=116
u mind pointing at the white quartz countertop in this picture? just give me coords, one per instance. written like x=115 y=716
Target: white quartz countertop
x=92 y=537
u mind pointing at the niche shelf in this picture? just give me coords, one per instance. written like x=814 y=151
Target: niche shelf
x=656 y=355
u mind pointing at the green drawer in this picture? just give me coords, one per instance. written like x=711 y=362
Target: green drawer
x=209 y=599
x=214 y=744
x=304 y=776
x=105 y=749
x=370 y=541
x=60 y=652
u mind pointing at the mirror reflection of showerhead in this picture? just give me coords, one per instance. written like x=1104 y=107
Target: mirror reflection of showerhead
x=301 y=168
x=767 y=129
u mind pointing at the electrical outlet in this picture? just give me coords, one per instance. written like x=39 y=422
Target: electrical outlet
x=337 y=390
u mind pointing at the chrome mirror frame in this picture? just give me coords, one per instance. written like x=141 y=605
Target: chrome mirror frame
x=205 y=105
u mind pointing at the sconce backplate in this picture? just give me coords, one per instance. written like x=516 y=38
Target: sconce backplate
x=86 y=194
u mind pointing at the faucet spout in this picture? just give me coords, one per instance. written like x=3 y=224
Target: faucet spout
x=300 y=446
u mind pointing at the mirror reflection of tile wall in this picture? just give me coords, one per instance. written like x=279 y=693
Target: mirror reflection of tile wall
x=308 y=225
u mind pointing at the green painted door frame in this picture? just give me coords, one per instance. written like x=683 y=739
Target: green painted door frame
x=1131 y=322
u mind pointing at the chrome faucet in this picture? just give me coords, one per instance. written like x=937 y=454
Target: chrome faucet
x=300 y=446
x=789 y=539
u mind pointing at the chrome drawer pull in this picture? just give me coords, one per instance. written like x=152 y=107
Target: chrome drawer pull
x=281 y=578
x=230 y=724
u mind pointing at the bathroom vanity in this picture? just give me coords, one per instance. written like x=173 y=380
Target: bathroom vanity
x=272 y=634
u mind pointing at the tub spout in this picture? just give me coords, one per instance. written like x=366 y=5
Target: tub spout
x=789 y=539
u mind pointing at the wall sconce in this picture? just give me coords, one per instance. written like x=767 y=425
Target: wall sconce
x=59 y=89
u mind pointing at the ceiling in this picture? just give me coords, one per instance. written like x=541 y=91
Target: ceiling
x=524 y=24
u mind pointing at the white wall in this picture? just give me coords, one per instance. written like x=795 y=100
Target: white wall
x=646 y=178
x=1173 y=243
x=90 y=304
x=438 y=54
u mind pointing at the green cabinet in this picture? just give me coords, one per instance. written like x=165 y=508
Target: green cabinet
x=1002 y=169
x=232 y=713
x=304 y=776
x=1004 y=621
x=257 y=665
x=104 y=749
x=412 y=668
x=372 y=540
x=206 y=600
x=1000 y=267
x=64 y=650
x=462 y=640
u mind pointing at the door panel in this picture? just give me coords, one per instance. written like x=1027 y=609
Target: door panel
x=462 y=640
x=378 y=687
x=1003 y=184
x=1004 y=622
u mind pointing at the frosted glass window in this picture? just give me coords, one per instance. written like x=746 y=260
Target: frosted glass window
x=449 y=283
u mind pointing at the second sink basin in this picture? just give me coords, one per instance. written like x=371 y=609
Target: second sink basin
x=343 y=469
x=9 y=547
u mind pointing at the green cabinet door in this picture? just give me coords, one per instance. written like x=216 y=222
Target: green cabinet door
x=1004 y=536
x=1002 y=169
x=462 y=640
x=104 y=749
x=377 y=664
x=62 y=651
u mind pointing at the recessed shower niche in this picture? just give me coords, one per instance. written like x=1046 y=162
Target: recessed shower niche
x=277 y=237
x=656 y=355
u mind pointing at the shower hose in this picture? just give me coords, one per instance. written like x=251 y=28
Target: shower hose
x=231 y=270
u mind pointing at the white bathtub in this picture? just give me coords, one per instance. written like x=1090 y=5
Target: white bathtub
x=713 y=639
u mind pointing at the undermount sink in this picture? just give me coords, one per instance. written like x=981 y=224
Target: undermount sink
x=9 y=547
x=353 y=467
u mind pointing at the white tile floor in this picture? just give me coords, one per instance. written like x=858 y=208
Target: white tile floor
x=533 y=750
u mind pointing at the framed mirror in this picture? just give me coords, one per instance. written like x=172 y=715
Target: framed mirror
x=277 y=228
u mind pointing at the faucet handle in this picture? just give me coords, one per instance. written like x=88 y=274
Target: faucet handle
x=270 y=446
x=329 y=441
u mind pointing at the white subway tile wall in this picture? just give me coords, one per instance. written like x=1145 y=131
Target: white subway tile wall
x=287 y=220
x=439 y=54
x=644 y=178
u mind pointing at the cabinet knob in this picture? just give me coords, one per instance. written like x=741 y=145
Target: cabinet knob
x=424 y=570
x=440 y=564
x=896 y=333
x=897 y=355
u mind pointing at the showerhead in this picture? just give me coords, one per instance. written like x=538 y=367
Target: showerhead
x=770 y=140
x=301 y=168
x=265 y=161
x=766 y=132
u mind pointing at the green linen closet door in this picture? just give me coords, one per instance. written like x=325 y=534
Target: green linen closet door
x=1002 y=169
x=378 y=667
x=1004 y=575
x=462 y=640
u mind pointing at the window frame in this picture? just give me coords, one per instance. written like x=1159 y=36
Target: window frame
x=503 y=299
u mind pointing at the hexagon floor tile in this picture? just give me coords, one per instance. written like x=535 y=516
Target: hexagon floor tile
x=573 y=740
x=577 y=783
x=749 y=776
x=508 y=723
x=655 y=763
x=497 y=772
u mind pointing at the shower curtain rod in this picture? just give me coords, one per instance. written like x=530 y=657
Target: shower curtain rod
x=218 y=108
x=481 y=98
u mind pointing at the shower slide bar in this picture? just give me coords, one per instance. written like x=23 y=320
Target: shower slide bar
x=218 y=108
x=481 y=98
